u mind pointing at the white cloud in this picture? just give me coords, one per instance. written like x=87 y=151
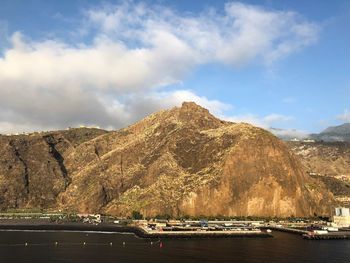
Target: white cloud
x=288 y=134
x=104 y=65
x=136 y=51
x=239 y=35
x=263 y=122
x=270 y=121
x=345 y=116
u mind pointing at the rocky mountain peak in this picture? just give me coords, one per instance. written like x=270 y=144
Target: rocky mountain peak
x=192 y=106
x=198 y=116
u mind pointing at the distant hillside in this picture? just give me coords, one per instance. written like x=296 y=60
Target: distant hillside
x=339 y=133
x=330 y=162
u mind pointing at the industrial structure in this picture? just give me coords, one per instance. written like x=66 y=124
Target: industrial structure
x=341 y=217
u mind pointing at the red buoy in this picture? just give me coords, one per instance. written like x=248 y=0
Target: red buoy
x=161 y=244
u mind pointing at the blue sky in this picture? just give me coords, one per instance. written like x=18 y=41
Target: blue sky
x=283 y=64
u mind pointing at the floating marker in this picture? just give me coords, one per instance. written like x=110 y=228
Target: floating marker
x=111 y=244
x=161 y=244
x=123 y=243
x=84 y=243
x=56 y=243
x=25 y=244
x=151 y=243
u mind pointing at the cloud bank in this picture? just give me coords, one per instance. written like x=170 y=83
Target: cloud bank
x=345 y=116
x=135 y=52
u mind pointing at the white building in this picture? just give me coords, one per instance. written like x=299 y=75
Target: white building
x=342 y=217
x=308 y=140
x=342 y=211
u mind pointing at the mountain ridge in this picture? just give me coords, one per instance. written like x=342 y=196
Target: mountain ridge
x=338 y=133
x=334 y=133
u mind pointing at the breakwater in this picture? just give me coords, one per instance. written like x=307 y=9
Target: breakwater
x=286 y=229
x=206 y=234
x=73 y=227
x=138 y=231
x=328 y=236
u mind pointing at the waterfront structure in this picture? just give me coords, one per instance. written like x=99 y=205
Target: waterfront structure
x=342 y=217
x=342 y=211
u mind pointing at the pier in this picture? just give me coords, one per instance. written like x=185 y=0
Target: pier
x=286 y=229
x=328 y=236
x=311 y=235
x=204 y=233
x=136 y=230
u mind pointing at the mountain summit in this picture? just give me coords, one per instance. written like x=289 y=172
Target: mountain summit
x=176 y=162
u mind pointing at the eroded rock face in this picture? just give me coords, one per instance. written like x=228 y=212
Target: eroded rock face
x=32 y=167
x=179 y=162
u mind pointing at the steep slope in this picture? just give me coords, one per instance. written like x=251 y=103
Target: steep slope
x=32 y=169
x=184 y=161
x=329 y=162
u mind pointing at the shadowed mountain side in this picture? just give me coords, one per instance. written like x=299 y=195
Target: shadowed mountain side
x=32 y=167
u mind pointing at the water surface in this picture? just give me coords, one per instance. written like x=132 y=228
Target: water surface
x=283 y=247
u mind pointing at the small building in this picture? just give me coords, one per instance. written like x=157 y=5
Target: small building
x=342 y=211
x=309 y=140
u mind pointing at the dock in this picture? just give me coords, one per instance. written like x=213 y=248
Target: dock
x=286 y=229
x=204 y=234
x=136 y=230
x=328 y=236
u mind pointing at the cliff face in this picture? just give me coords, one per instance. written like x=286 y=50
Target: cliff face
x=328 y=162
x=32 y=167
x=182 y=161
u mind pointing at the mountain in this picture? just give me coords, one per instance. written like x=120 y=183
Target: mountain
x=177 y=162
x=339 y=133
x=335 y=133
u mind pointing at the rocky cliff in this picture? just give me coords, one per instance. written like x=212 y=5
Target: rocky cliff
x=32 y=167
x=328 y=162
x=179 y=162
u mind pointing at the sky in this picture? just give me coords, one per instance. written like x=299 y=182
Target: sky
x=272 y=63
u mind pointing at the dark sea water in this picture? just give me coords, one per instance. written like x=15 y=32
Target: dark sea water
x=282 y=248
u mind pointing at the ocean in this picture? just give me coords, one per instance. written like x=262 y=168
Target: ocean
x=79 y=247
